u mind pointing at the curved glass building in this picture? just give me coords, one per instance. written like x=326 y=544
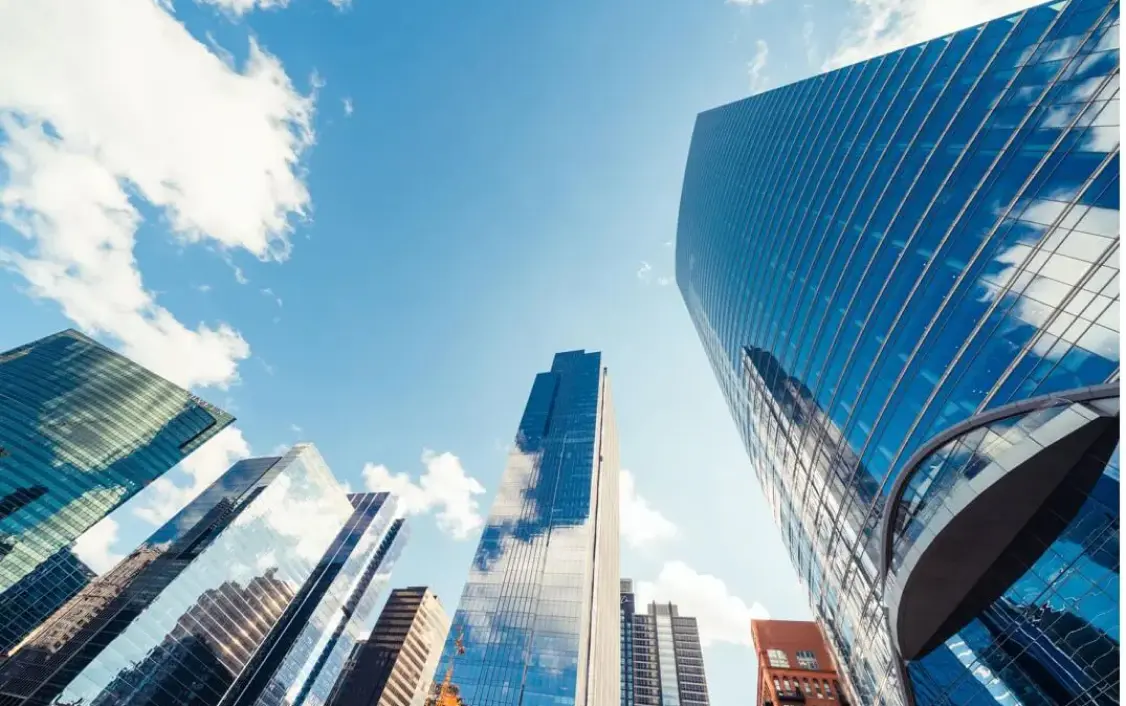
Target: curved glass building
x=905 y=276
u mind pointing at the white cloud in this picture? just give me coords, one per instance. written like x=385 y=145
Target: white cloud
x=641 y=525
x=757 y=67
x=162 y=498
x=266 y=291
x=645 y=272
x=241 y=7
x=104 y=102
x=720 y=616
x=883 y=26
x=444 y=487
x=296 y=429
x=94 y=546
x=205 y=288
x=811 y=51
x=348 y=109
x=746 y=3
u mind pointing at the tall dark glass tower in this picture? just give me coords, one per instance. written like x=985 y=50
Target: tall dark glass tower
x=538 y=618
x=82 y=429
x=254 y=593
x=905 y=276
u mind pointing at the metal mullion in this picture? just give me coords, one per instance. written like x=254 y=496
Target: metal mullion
x=805 y=153
x=957 y=358
x=841 y=237
x=892 y=328
x=961 y=276
x=739 y=312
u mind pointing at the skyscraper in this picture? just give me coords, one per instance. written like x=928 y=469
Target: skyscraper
x=662 y=661
x=82 y=429
x=395 y=665
x=210 y=599
x=794 y=664
x=904 y=274
x=538 y=620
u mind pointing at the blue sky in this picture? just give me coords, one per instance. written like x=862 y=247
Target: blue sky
x=368 y=226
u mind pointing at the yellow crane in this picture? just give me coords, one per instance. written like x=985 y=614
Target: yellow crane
x=447 y=692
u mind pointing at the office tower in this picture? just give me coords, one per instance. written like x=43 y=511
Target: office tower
x=904 y=275
x=37 y=595
x=538 y=622
x=82 y=429
x=209 y=601
x=395 y=666
x=662 y=662
x=794 y=664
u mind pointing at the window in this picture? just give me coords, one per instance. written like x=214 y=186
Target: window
x=805 y=685
x=778 y=659
x=828 y=691
x=786 y=683
x=807 y=660
x=777 y=685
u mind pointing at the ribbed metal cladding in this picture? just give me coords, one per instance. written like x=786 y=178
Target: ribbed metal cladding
x=874 y=254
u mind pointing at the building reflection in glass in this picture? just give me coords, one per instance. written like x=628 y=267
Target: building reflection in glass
x=183 y=617
x=82 y=430
x=879 y=253
x=32 y=599
x=538 y=619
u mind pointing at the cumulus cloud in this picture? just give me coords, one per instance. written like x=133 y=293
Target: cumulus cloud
x=882 y=26
x=103 y=103
x=641 y=525
x=720 y=615
x=756 y=69
x=445 y=488
x=163 y=498
x=645 y=272
x=348 y=108
x=95 y=546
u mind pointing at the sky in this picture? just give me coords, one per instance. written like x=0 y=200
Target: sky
x=369 y=224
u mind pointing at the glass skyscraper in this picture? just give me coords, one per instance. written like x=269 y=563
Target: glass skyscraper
x=538 y=619
x=253 y=593
x=905 y=276
x=82 y=430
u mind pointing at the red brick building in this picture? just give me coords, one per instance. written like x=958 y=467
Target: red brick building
x=794 y=665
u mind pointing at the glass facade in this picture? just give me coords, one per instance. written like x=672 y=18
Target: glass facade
x=180 y=619
x=82 y=429
x=876 y=254
x=305 y=654
x=537 y=623
x=37 y=595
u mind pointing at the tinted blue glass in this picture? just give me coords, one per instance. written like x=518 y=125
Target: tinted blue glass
x=82 y=429
x=538 y=618
x=873 y=255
